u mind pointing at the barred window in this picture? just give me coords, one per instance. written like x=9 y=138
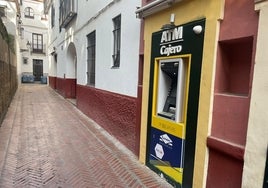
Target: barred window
x=52 y=16
x=91 y=53
x=117 y=41
x=67 y=12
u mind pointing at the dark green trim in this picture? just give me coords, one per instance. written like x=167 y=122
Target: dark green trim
x=191 y=44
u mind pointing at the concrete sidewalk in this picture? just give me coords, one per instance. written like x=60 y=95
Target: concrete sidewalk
x=46 y=142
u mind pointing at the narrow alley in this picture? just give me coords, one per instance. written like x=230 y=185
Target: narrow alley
x=46 y=142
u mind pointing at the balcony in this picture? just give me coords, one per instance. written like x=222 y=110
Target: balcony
x=40 y=49
x=67 y=12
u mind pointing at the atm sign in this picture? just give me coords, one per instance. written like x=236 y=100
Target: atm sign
x=168 y=38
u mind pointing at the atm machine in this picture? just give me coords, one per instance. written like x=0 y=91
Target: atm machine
x=168 y=116
x=175 y=74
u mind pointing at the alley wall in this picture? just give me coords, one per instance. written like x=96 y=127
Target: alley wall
x=8 y=70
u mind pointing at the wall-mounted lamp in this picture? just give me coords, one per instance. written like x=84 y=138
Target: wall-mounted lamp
x=28 y=44
x=170 y=25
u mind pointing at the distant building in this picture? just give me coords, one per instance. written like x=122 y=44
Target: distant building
x=94 y=58
x=33 y=31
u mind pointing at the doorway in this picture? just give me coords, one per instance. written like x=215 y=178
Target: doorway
x=37 y=69
x=71 y=71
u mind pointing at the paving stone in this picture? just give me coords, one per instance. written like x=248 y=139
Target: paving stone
x=45 y=141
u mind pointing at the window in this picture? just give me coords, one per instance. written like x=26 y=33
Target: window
x=52 y=16
x=37 y=43
x=91 y=51
x=67 y=12
x=28 y=12
x=2 y=11
x=117 y=40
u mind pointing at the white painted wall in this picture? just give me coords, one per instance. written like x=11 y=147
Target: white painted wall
x=257 y=134
x=123 y=80
x=97 y=15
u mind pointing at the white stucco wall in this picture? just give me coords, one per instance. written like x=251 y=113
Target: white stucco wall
x=257 y=135
x=55 y=40
x=98 y=15
x=121 y=80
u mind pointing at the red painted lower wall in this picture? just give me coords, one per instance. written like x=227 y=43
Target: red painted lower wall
x=115 y=113
x=230 y=117
x=66 y=87
x=224 y=171
x=52 y=82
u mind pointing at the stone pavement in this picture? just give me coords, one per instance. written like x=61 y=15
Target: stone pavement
x=46 y=142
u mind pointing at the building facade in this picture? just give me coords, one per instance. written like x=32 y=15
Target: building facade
x=206 y=55
x=33 y=31
x=94 y=58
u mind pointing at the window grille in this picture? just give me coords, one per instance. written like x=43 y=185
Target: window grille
x=117 y=41
x=67 y=12
x=52 y=16
x=91 y=53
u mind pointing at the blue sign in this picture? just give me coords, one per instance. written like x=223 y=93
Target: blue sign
x=166 y=149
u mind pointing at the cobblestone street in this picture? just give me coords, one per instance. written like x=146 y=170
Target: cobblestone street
x=46 y=142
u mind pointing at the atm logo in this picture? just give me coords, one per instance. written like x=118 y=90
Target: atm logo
x=165 y=138
x=168 y=38
x=174 y=35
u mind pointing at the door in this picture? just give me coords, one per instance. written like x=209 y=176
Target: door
x=37 y=69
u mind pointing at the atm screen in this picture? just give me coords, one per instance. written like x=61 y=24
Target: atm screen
x=170 y=73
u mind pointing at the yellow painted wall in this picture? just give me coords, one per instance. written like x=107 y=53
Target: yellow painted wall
x=186 y=11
